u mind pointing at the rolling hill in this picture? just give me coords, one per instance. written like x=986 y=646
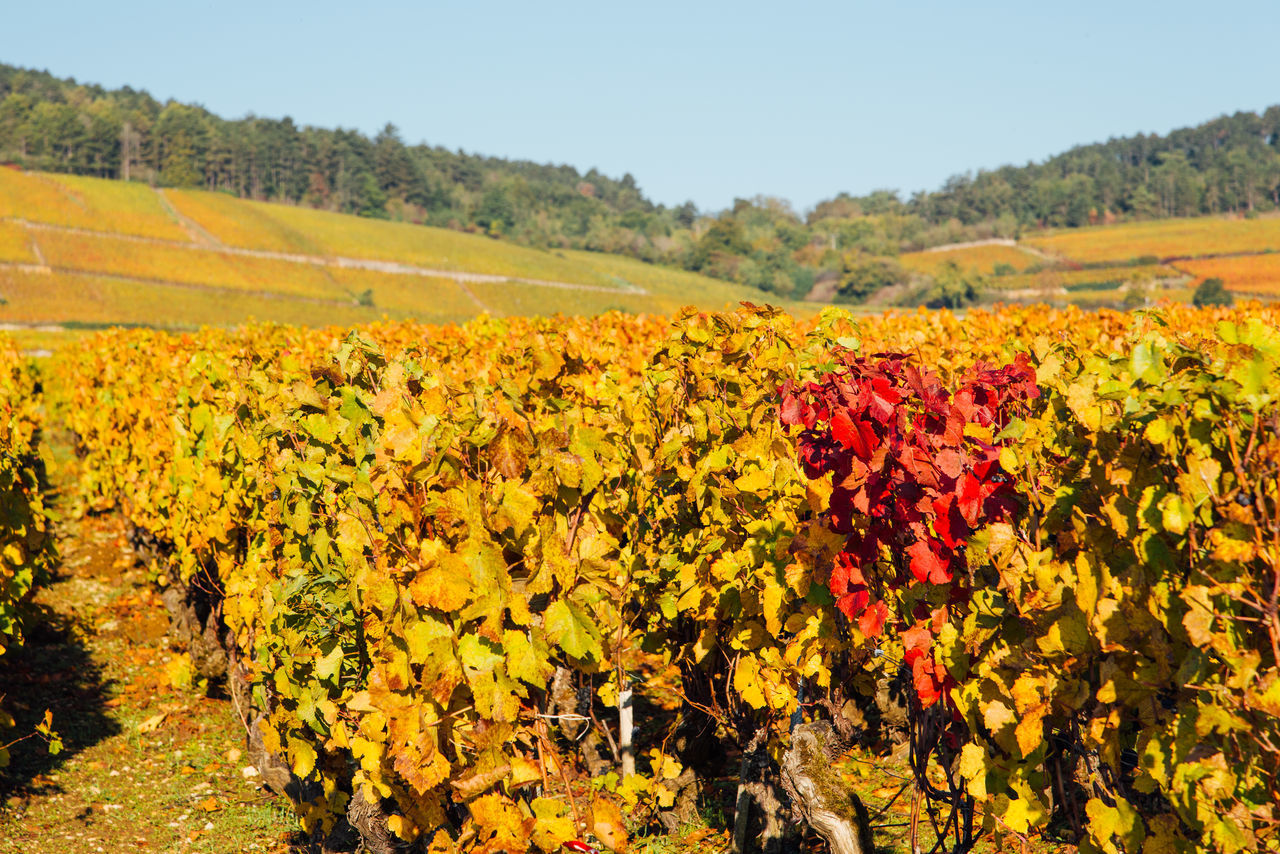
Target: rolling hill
x=84 y=252
x=1164 y=258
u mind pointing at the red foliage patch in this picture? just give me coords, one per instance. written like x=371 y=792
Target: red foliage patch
x=911 y=480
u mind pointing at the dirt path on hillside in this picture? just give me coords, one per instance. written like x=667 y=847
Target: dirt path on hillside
x=995 y=241
x=147 y=766
x=376 y=266
x=1040 y=253
x=973 y=244
x=194 y=230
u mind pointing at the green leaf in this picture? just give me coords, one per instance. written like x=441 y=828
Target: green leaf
x=479 y=654
x=327 y=666
x=304 y=757
x=519 y=508
x=320 y=427
x=1175 y=513
x=1141 y=359
x=527 y=659
x=569 y=628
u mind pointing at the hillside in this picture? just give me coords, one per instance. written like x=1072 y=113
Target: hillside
x=80 y=251
x=1230 y=164
x=1100 y=265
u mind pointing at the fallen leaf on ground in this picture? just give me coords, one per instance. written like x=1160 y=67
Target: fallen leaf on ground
x=152 y=723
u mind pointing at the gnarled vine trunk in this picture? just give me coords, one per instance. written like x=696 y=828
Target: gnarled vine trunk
x=819 y=794
x=195 y=617
x=762 y=804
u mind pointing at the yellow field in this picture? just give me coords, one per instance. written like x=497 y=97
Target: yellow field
x=89 y=203
x=979 y=259
x=621 y=271
x=282 y=228
x=511 y=299
x=681 y=287
x=239 y=223
x=1175 y=238
x=430 y=299
x=37 y=298
x=41 y=339
x=186 y=240
x=1253 y=274
x=665 y=290
x=15 y=244
x=86 y=253
x=1052 y=280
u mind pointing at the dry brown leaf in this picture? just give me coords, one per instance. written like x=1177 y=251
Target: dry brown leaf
x=606 y=824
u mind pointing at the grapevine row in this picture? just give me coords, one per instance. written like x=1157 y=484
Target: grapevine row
x=399 y=545
x=26 y=539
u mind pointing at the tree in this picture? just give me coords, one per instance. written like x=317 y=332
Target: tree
x=862 y=275
x=951 y=287
x=1211 y=292
x=183 y=139
x=496 y=213
x=724 y=237
x=397 y=174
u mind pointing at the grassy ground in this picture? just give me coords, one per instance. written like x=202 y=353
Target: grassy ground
x=147 y=765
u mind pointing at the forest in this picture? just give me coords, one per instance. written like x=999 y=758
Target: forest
x=1229 y=165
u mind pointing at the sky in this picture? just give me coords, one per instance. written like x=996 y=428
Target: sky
x=701 y=101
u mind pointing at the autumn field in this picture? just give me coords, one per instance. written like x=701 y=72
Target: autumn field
x=113 y=252
x=1249 y=274
x=599 y=583
x=1067 y=280
x=1162 y=239
x=982 y=258
x=77 y=250
x=1162 y=258
x=15 y=244
x=282 y=228
x=44 y=299
x=115 y=207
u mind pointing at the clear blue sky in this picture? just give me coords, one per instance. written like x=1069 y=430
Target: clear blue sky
x=702 y=101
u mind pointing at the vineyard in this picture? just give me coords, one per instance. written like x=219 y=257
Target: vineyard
x=80 y=251
x=1088 y=265
x=91 y=299
x=257 y=225
x=524 y=584
x=27 y=552
x=1162 y=239
x=983 y=259
x=1250 y=274
x=87 y=203
x=1089 y=278
x=15 y=245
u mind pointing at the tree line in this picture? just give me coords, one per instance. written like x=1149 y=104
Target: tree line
x=1230 y=164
